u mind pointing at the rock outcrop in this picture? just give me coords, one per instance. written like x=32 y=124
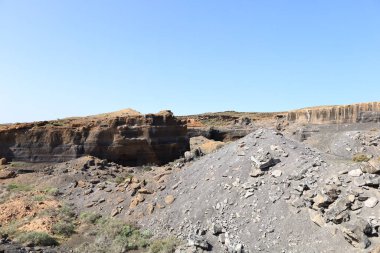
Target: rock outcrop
x=355 y=113
x=129 y=139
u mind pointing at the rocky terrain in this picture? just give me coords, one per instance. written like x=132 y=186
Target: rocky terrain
x=241 y=183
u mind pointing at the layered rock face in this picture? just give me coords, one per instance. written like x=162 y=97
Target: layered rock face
x=355 y=113
x=128 y=140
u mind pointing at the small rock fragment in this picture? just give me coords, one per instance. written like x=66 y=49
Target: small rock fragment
x=371 y=202
x=169 y=199
x=355 y=173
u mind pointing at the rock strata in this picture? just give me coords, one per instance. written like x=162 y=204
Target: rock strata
x=363 y=113
x=128 y=139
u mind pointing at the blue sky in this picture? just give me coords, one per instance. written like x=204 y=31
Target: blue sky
x=72 y=58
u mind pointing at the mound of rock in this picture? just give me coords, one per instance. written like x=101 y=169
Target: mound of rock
x=267 y=193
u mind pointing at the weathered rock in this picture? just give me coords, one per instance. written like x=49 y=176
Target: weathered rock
x=322 y=200
x=355 y=233
x=216 y=229
x=144 y=191
x=3 y=161
x=376 y=249
x=355 y=173
x=127 y=139
x=263 y=160
x=198 y=241
x=150 y=208
x=205 y=145
x=136 y=200
x=371 y=202
x=337 y=212
x=4 y=174
x=276 y=173
x=256 y=173
x=372 y=167
x=115 y=212
x=316 y=217
x=169 y=199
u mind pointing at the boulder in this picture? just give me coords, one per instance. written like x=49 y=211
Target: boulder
x=191 y=155
x=263 y=160
x=256 y=172
x=372 y=167
x=276 y=173
x=356 y=232
x=216 y=229
x=198 y=241
x=316 y=217
x=371 y=202
x=169 y=199
x=326 y=197
x=4 y=174
x=3 y=161
x=338 y=211
x=205 y=145
x=355 y=173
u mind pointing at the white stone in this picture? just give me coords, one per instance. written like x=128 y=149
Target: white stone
x=355 y=173
x=276 y=173
x=371 y=202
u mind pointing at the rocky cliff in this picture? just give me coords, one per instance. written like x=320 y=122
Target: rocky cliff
x=355 y=113
x=128 y=139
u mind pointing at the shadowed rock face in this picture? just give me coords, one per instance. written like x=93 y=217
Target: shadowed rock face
x=128 y=140
x=355 y=113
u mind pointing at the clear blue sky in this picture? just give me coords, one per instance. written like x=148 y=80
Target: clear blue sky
x=71 y=58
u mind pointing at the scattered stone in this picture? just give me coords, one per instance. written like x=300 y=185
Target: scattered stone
x=371 y=202
x=316 y=217
x=87 y=192
x=176 y=185
x=355 y=173
x=136 y=200
x=342 y=172
x=144 y=191
x=355 y=233
x=216 y=229
x=150 y=208
x=3 y=161
x=222 y=238
x=4 y=174
x=256 y=173
x=276 y=173
x=372 y=167
x=115 y=212
x=322 y=200
x=169 y=199
x=197 y=241
x=263 y=160
x=248 y=194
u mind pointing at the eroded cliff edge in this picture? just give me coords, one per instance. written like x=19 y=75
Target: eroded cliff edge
x=354 y=113
x=128 y=139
